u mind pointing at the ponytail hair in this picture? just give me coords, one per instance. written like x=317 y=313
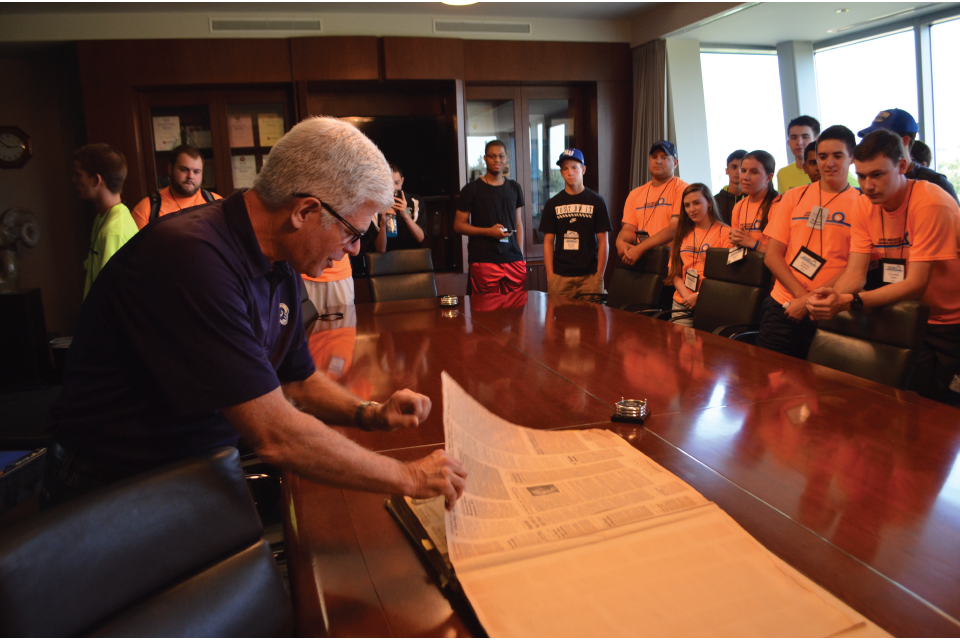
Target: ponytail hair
x=685 y=226
x=770 y=166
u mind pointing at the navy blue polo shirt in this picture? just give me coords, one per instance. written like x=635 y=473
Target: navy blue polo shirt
x=186 y=318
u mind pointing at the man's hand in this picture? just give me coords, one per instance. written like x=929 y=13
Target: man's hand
x=632 y=254
x=405 y=408
x=797 y=308
x=498 y=231
x=824 y=303
x=437 y=474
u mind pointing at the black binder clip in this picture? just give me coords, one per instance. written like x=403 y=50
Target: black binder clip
x=630 y=411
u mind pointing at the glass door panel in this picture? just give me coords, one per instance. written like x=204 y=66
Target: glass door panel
x=490 y=120
x=551 y=130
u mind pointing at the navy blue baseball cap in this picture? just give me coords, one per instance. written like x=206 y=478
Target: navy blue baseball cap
x=668 y=148
x=896 y=120
x=571 y=154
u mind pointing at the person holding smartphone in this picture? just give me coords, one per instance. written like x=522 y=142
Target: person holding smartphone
x=401 y=231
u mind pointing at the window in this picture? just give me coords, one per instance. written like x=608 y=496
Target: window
x=744 y=109
x=855 y=82
x=944 y=52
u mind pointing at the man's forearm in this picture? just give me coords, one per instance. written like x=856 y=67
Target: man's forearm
x=519 y=222
x=548 y=240
x=414 y=228
x=381 y=242
x=297 y=442
x=774 y=259
x=323 y=398
x=602 y=251
x=664 y=236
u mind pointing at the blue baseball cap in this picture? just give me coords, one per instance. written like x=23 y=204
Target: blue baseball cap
x=668 y=148
x=571 y=154
x=896 y=120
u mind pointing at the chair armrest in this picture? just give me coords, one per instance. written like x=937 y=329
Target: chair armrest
x=595 y=297
x=668 y=314
x=636 y=308
x=652 y=311
x=750 y=337
x=730 y=330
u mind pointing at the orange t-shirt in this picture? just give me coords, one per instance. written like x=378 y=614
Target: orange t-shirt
x=926 y=228
x=650 y=208
x=747 y=215
x=339 y=271
x=788 y=224
x=169 y=203
x=693 y=250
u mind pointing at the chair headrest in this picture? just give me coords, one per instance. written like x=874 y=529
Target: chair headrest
x=400 y=261
x=901 y=324
x=749 y=271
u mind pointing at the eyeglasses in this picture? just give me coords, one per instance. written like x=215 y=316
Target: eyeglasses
x=357 y=234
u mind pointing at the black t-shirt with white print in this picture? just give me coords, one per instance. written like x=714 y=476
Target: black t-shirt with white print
x=576 y=221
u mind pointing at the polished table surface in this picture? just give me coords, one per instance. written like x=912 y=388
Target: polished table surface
x=855 y=484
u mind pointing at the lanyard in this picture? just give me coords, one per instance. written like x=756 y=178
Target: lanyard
x=903 y=239
x=657 y=203
x=822 y=222
x=746 y=212
x=698 y=250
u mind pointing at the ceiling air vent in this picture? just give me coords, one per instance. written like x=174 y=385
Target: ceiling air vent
x=221 y=25
x=459 y=26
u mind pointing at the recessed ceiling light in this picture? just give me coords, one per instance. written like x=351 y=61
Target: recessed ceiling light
x=842 y=10
x=459 y=3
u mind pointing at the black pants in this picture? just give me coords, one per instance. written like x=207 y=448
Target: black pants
x=939 y=361
x=781 y=334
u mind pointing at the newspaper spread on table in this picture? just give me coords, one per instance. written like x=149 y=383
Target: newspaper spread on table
x=576 y=533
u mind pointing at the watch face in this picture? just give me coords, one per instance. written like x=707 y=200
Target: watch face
x=11 y=147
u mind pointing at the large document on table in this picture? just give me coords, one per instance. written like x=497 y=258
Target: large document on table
x=576 y=533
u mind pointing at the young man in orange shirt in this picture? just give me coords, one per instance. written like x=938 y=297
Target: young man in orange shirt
x=652 y=210
x=809 y=241
x=186 y=175
x=915 y=228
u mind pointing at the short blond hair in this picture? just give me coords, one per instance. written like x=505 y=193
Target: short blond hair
x=330 y=159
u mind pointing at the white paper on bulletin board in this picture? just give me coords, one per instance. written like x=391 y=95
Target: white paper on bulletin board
x=244 y=171
x=241 y=130
x=209 y=174
x=166 y=132
x=271 y=129
x=199 y=137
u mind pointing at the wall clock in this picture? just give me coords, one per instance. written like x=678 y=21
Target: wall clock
x=15 y=148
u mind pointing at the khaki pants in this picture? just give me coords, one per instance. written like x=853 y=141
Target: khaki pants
x=570 y=286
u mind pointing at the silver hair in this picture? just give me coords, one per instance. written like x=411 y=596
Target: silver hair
x=329 y=159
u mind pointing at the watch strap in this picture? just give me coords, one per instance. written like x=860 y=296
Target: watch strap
x=358 y=415
x=857 y=303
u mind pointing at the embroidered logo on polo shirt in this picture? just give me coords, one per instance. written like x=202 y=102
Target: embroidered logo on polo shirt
x=284 y=313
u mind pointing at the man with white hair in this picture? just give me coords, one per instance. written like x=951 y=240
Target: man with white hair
x=192 y=337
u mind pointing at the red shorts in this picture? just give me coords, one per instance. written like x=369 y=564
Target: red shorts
x=490 y=277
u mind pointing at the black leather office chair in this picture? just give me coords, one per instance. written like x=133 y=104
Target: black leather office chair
x=635 y=287
x=174 y=552
x=406 y=274
x=308 y=310
x=880 y=344
x=731 y=295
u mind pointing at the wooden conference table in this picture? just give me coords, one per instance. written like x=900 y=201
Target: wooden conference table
x=855 y=484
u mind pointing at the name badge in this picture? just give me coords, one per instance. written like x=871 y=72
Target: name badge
x=807 y=263
x=571 y=241
x=817 y=216
x=691 y=280
x=642 y=235
x=894 y=270
x=736 y=254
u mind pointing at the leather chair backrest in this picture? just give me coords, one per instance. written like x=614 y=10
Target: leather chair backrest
x=176 y=551
x=880 y=344
x=408 y=286
x=723 y=303
x=400 y=261
x=731 y=294
x=749 y=271
x=641 y=282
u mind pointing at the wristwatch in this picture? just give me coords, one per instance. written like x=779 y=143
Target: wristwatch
x=358 y=416
x=856 y=304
